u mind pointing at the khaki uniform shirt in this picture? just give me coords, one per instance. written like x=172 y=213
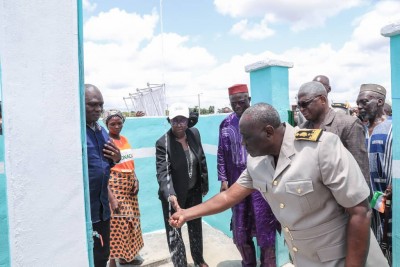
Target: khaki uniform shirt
x=308 y=192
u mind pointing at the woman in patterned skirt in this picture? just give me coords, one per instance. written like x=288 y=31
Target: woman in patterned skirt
x=126 y=235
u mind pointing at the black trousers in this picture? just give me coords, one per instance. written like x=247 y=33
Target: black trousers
x=101 y=252
x=174 y=236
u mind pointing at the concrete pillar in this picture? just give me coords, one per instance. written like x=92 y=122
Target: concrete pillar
x=393 y=31
x=42 y=113
x=269 y=82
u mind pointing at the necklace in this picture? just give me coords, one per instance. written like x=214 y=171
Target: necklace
x=189 y=162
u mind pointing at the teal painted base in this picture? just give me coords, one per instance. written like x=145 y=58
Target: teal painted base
x=282 y=253
x=4 y=226
x=5 y=259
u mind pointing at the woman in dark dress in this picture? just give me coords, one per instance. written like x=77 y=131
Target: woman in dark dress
x=183 y=180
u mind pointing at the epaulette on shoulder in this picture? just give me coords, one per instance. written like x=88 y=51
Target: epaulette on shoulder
x=308 y=134
x=340 y=105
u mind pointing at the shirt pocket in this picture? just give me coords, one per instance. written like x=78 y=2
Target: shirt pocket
x=300 y=189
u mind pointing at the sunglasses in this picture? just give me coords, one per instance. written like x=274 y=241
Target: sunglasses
x=305 y=104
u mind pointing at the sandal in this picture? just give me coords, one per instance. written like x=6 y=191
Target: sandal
x=138 y=260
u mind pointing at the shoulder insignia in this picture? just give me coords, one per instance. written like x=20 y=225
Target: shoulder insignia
x=340 y=105
x=308 y=134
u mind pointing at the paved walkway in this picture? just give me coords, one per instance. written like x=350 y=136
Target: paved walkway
x=219 y=250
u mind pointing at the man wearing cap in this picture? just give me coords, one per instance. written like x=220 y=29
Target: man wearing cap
x=370 y=102
x=252 y=216
x=313 y=104
x=102 y=155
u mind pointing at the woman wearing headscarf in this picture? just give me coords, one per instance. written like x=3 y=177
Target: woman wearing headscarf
x=126 y=235
x=183 y=179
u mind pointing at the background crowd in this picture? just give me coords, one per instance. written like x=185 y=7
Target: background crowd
x=356 y=176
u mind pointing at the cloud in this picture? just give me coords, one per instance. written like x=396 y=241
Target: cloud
x=123 y=52
x=88 y=6
x=121 y=63
x=367 y=31
x=364 y=58
x=255 y=31
x=119 y=26
x=299 y=14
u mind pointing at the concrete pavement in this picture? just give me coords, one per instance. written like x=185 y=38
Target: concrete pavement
x=219 y=250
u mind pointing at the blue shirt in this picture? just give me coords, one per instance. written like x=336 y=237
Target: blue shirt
x=99 y=173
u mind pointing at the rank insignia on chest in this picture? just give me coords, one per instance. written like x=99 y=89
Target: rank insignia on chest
x=308 y=134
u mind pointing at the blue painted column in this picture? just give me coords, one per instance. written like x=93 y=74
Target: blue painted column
x=269 y=82
x=86 y=189
x=393 y=31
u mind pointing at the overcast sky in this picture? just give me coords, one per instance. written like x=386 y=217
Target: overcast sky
x=205 y=45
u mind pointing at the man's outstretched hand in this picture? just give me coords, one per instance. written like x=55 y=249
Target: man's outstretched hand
x=177 y=219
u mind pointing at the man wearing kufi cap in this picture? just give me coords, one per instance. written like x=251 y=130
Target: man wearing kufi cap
x=370 y=102
x=232 y=159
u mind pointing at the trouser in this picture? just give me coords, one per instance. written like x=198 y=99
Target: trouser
x=174 y=236
x=243 y=225
x=101 y=252
x=248 y=253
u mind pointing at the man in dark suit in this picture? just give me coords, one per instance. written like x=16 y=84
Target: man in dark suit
x=313 y=104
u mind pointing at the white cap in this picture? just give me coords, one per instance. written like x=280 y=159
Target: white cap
x=178 y=109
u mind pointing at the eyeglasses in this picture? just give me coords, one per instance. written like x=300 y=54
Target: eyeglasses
x=240 y=103
x=176 y=122
x=305 y=104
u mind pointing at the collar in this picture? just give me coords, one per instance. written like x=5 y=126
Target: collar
x=287 y=150
x=95 y=127
x=330 y=116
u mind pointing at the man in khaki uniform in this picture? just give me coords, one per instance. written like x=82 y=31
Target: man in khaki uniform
x=325 y=216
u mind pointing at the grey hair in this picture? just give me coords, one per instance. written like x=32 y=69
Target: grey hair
x=263 y=113
x=312 y=89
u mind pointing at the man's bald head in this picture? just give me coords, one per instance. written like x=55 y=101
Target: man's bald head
x=261 y=130
x=263 y=113
x=93 y=103
x=324 y=80
x=91 y=88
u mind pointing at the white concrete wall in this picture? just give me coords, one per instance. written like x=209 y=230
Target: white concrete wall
x=39 y=59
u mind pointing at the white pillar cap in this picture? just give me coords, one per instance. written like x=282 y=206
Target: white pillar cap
x=391 y=29
x=267 y=63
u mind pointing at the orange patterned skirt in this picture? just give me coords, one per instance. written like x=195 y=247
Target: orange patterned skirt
x=126 y=234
